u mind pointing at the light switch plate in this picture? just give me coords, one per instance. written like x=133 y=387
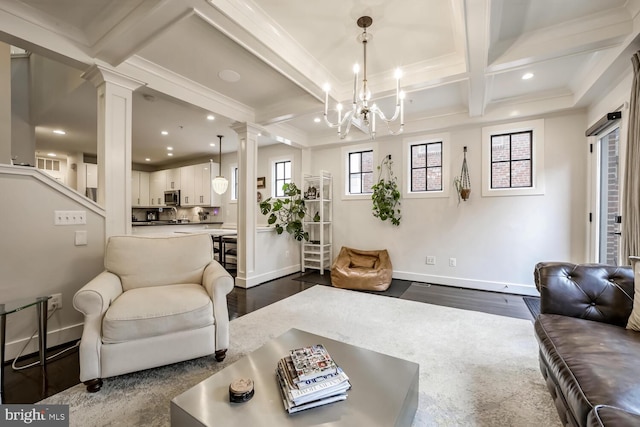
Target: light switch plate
x=81 y=238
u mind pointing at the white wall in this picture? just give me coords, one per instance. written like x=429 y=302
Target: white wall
x=39 y=258
x=496 y=240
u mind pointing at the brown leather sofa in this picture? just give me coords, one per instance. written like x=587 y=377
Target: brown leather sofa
x=590 y=361
x=356 y=269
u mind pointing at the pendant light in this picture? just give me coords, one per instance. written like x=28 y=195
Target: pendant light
x=220 y=184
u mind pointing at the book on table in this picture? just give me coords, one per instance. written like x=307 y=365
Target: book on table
x=327 y=384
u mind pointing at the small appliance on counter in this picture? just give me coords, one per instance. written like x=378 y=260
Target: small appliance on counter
x=152 y=216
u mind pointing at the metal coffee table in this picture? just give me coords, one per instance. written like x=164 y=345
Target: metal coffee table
x=384 y=390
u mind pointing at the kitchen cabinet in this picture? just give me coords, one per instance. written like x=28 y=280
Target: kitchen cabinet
x=173 y=179
x=157 y=187
x=140 y=189
x=317 y=253
x=187 y=186
x=195 y=182
x=208 y=171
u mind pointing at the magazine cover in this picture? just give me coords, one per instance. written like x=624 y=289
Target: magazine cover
x=311 y=362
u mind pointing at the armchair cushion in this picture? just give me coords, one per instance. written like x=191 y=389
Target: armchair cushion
x=149 y=312
x=153 y=261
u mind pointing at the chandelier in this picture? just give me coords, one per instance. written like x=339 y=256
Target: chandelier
x=362 y=114
x=220 y=183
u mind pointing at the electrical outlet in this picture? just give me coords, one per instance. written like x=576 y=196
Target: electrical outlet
x=431 y=260
x=55 y=302
x=452 y=262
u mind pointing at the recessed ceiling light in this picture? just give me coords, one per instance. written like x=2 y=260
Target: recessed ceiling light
x=527 y=76
x=210 y=117
x=514 y=113
x=317 y=120
x=229 y=76
x=51 y=154
x=169 y=148
x=212 y=145
x=164 y=132
x=147 y=159
x=169 y=154
x=59 y=132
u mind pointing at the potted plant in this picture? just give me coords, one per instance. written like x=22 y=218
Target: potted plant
x=463 y=191
x=463 y=182
x=287 y=213
x=386 y=195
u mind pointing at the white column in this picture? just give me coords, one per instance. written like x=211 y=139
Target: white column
x=247 y=166
x=5 y=103
x=115 y=104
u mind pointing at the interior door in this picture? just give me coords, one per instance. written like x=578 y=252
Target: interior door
x=608 y=196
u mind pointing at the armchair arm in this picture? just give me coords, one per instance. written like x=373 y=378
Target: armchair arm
x=589 y=291
x=95 y=297
x=93 y=300
x=218 y=283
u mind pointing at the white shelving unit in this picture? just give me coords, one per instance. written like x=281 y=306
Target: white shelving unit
x=317 y=253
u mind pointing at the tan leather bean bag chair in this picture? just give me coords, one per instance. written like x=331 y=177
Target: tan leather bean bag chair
x=356 y=269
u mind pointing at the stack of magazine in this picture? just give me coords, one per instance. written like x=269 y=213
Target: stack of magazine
x=309 y=377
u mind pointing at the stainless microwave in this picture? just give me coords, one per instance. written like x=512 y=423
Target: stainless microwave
x=172 y=198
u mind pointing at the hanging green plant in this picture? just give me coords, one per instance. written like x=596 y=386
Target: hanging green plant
x=386 y=196
x=287 y=213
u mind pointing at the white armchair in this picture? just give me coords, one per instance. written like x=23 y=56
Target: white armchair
x=159 y=301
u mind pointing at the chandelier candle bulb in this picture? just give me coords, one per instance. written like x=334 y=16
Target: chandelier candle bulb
x=361 y=114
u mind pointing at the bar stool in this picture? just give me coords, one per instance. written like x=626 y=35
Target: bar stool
x=230 y=249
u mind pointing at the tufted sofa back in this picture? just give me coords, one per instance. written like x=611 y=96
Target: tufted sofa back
x=589 y=291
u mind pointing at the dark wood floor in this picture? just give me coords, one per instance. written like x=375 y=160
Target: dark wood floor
x=31 y=385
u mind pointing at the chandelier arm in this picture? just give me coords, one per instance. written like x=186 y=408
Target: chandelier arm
x=396 y=113
x=344 y=119
x=397 y=132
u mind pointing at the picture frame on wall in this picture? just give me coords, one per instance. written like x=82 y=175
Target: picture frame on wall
x=261 y=182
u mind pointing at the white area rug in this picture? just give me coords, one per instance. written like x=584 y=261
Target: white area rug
x=476 y=369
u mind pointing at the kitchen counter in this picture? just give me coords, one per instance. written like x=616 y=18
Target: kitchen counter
x=171 y=222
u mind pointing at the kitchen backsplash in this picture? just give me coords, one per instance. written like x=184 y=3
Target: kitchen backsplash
x=195 y=214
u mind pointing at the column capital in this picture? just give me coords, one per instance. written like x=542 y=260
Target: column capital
x=247 y=128
x=99 y=74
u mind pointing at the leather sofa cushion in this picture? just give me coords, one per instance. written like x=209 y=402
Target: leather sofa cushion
x=149 y=312
x=603 y=416
x=593 y=363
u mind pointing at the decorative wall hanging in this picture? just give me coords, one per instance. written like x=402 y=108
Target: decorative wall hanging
x=463 y=182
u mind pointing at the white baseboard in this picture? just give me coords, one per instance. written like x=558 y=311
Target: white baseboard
x=248 y=282
x=483 y=285
x=54 y=338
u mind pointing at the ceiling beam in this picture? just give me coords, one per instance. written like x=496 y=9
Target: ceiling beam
x=477 y=31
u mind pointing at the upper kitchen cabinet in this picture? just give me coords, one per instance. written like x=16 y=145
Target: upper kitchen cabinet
x=173 y=179
x=187 y=186
x=195 y=182
x=140 y=188
x=157 y=187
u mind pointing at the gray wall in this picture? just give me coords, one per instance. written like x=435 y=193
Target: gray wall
x=39 y=258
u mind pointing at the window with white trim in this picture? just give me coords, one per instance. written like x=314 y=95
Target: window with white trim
x=281 y=176
x=360 y=176
x=511 y=156
x=426 y=166
x=513 y=159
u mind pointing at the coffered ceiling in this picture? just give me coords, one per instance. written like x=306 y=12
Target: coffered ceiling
x=266 y=61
